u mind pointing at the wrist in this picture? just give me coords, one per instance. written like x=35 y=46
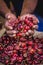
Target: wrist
x=24 y=11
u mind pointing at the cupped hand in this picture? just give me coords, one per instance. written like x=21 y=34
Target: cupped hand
x=11 y=20
x=35 y=19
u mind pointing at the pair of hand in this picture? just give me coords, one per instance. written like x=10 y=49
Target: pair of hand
x=12 y=19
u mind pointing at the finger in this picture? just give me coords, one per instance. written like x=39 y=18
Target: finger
x=30 y=32
x=22 y=17
x=7 y=25
x=12 y=22
x=12 y=35
x=12 y=32
x=35 y=19
x=35 y=27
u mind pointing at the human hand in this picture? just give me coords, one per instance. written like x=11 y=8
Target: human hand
x=31 y=20
x=11 y=20
x=35 y=19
